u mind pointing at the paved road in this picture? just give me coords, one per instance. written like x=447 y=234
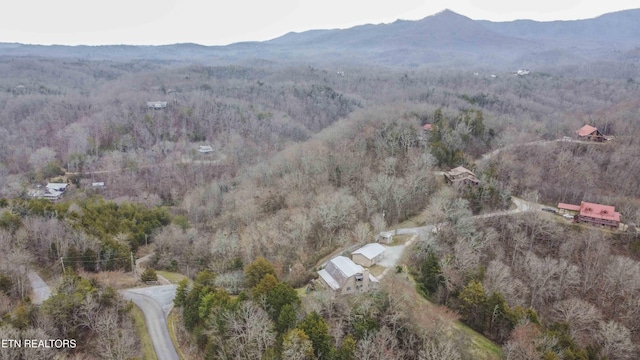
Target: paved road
x=41 y=291
x=156 y=302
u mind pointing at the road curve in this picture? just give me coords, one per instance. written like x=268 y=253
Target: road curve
x=156 y=302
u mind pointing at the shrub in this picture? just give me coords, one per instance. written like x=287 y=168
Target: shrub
x=149 y=275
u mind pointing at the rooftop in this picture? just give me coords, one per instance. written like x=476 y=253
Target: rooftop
x=57 y=186
x=570 y=207
x=586 y=130
x=338 y=270
x=370 y=251
x=599 y=211
x=459 y=171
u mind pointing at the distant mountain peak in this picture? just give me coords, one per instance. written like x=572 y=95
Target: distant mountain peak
x=447 y=13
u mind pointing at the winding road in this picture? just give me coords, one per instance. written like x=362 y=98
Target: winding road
x=156 y=303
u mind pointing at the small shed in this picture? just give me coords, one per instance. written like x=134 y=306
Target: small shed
x=368 y=255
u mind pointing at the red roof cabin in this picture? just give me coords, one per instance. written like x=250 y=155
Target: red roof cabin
x=427 y=127
x=590 y=133
x=597 y=214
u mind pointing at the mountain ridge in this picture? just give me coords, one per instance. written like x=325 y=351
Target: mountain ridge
x=439 y=39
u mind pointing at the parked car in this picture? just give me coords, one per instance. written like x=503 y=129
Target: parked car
x=568 y=216
x=549 y=210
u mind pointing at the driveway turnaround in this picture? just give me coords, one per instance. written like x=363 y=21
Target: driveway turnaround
x=156 y=302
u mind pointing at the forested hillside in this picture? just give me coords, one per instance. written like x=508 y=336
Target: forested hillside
x=308 y=161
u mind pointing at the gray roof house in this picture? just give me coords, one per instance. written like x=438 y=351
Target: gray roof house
x=345 y=277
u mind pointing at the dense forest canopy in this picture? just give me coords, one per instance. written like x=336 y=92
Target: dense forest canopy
x=251 y=175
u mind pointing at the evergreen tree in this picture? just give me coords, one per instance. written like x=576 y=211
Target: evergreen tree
x=318 y=332
x=431 y=274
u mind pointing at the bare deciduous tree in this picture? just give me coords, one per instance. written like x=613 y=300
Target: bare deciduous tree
x=582 y=317
x=249 y=332
x=443 y=349
x=616 y=341
x=297 y=346
x=499 y=278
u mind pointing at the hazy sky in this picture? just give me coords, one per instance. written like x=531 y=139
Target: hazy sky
x=209 y=22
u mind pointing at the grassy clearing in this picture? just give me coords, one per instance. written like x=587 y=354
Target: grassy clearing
x=425 y=313
x=480 y=347
x=412 y=222
x=173 y=278
x=302 y=291
x=377 y=270
x=400 y=239
x=148 y=353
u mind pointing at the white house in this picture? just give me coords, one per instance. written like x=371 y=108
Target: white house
x=368 y=255
x=54 y=191
x=205 y=149
x=345 y=277
x=157 y=105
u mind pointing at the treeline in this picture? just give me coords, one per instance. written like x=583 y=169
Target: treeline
x=92 y=234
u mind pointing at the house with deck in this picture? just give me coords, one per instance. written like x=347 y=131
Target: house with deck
x=54 y=191
x=343 y=276
x=591 y=213
x=461 y=175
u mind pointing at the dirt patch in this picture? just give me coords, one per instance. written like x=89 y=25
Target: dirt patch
x=115 y=279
